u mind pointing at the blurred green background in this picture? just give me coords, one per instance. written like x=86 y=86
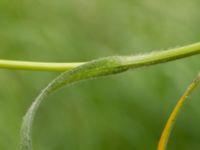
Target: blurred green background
x=122 y=112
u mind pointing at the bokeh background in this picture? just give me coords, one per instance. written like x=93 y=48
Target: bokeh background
x=122 y=112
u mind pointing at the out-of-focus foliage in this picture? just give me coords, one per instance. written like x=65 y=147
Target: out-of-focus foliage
x=122 y=112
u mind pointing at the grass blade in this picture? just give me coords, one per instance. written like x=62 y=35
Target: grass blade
x=173 y=116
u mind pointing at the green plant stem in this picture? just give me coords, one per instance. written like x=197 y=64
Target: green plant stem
x=147 y=59
x=37 y=66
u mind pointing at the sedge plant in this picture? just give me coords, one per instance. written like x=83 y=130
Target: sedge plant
x=76 y=72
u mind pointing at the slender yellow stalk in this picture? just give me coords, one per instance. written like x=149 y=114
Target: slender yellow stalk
x=169 y=125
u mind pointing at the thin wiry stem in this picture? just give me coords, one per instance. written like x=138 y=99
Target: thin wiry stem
x=150 y=58
x=173 y=116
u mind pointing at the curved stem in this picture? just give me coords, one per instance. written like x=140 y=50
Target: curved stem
x=147 y=59
x=173 y=116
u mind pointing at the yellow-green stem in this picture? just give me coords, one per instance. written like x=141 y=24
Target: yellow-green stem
x=38 y=66
x=169 y=125
x=147 y=59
